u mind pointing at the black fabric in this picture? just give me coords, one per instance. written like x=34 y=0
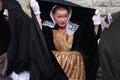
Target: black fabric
x=82 y=15
x=27 y=49
x=85 y=38
x=4 y=33
x=50 y=68
x=109 y=50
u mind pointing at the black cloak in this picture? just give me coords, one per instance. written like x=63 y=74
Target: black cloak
x=27 y=49
x=109 y=48
x=88 y=38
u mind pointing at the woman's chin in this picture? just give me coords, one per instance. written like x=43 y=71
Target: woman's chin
x=62 y=27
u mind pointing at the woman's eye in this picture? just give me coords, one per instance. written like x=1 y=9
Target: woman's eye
x=66 y=16
x=59 y=16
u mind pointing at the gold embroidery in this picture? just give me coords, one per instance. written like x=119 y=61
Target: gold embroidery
x=62 y=40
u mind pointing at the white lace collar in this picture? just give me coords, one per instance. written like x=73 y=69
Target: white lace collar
x=70 y=27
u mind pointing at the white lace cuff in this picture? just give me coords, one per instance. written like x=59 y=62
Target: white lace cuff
x=96 y=18
x=25 y=75
x=5 y=12
x=35 y=6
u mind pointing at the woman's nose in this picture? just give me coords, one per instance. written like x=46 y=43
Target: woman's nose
x=62 y=19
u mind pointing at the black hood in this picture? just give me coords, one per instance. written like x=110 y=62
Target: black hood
x=81 y=15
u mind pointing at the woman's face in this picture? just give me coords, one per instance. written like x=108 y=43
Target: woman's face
x=61 y=17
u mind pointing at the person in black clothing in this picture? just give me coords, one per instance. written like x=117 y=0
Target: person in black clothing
x=28 y=55
x=109 y=48
x=4 y=42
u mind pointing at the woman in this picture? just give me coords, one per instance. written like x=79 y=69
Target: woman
x=24 y=72
x=83 y=16
x=62 y=37
x=109 y=48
